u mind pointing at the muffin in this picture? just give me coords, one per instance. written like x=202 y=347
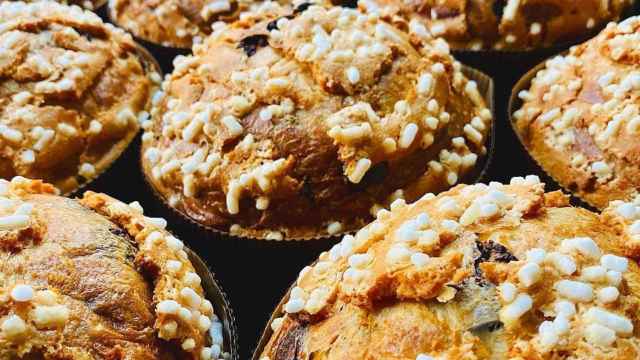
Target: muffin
x=181 y=23
x=478 y=272
x=96 y=279
x=87 y=4
x=503 y=24
x=579 y=117
x=297 y=127
x=72 y=93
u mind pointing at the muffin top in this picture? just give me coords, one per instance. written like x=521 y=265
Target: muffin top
x=296 y=127
x=503 y=24
x=95 y=279
x=71 y=92
x=87 y=4
x=479 y=272
x=181 y=23
x=580 y=117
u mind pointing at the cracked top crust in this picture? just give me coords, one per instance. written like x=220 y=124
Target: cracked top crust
x=72 y=90
x=182 y=23
x=478 y=272
x=96 y=279
x=580 y=117
x=300 y=126
x=503 y=24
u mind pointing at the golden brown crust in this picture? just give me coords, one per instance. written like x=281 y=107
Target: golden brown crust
x=279 y=128
x=182 y=23
x=72 y=90
x=502 y=24
x=520 y=260
x=94 y=279
x=580 y=118
x=87 y=4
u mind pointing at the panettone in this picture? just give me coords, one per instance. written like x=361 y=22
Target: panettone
x=301 y=126
x=96 y=279
x=478 y=272
x=503 y=24
x=72 y=92
x=580 y=119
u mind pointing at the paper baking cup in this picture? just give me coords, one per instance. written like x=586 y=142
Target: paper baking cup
x=267 y=332
x=515 y=103
x=478 y=174
x=122 y=152
x=221 y=305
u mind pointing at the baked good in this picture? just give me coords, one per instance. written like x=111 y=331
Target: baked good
x=580 y=119
x=96 y=279
x=503 y=24
x=87 y=4
x=283 y=128
x=181 y=23
x=72 y=90
x=478 y=272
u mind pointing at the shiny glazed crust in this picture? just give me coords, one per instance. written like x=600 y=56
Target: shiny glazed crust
x=503 y=24
x=283 y=128
x=478 y=272
x=580 y=119
x=72 y=90
x=93 y=279
x=181 y=23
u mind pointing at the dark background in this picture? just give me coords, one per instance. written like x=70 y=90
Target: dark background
x=256 y=274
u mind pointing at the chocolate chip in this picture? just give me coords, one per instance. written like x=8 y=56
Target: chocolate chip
x=302 y=7
x=491 y=251
x=250 y=44
x=273 y=24
x=376 y=175
x=498 y=8
x=353 y=4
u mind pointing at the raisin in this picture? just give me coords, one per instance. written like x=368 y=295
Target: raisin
x=250 y=44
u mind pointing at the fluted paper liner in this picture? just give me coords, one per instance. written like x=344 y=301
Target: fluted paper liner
x=221 y=305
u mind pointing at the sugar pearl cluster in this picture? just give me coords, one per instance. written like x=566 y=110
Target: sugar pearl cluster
x=31 y=309
x=230 y=141
x=15 y=213
x=25 y=129
x=414 y=123
x=354 y=264
x=182 y=310
x=586 y=287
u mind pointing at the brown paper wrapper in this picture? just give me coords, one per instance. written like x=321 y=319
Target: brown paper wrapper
x=123 y=152
x=221 y=305
x=515 y=103
x=478 y=174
